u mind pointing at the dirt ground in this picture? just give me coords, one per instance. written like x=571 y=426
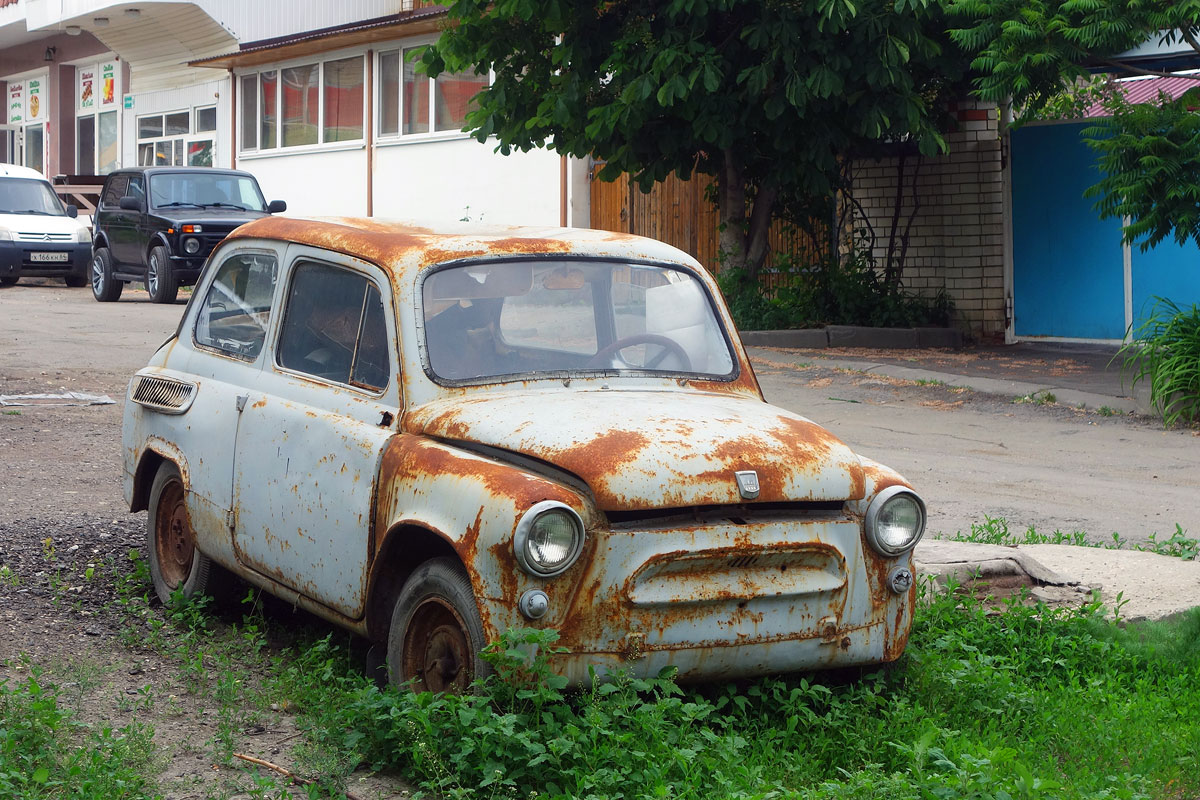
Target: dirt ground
x=65 y=533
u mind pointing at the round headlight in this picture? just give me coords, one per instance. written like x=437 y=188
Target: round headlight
x=895 y=521
x=191 y=246
x=548 y=539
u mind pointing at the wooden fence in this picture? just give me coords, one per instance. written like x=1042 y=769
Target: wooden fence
x=677 y=212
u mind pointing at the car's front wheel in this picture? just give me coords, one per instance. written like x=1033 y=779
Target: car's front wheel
x=436 y=635
x=75 y=281
x=105 y=287
x=170 y=540
x=161 y=281
x=9 y=280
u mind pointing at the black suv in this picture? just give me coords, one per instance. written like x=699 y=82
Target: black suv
x=157 y=225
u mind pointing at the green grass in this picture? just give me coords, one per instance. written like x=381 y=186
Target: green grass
x=994 y=530
x=1042 y=398
x=1027 y=702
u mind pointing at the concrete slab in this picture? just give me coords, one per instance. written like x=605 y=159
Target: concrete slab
x=877 y=338
x=1136 y=585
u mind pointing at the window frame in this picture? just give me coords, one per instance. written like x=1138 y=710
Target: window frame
x=202 y=301
x=182 y=141
x=399 y=136
x=254 y=77
x=296 y=262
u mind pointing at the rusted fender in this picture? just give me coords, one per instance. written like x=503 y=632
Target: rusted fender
x=474 y=504
x=641 y=450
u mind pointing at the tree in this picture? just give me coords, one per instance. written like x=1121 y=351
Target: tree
x=764 y=95
x=1030 y=52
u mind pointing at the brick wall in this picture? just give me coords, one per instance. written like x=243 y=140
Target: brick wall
x=956 y=241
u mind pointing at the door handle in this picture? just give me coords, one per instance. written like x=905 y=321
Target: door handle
x=241 y=402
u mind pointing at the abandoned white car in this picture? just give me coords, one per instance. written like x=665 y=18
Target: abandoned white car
x=430 y=437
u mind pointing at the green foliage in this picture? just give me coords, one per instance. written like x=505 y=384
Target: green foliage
x=45 y=752
x=1150 y=156
x=1165 y=351
x=1029 y=51
x=850 y=292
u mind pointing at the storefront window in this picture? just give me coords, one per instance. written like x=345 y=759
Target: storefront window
x=169 y=139
x=301 y=105
x=410 y=103
x=343 y=97
x=85 y=146
x=107 y=151
x=33 y=147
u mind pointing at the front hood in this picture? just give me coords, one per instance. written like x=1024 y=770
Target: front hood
x=40 y=223
x=212 y=216
x=640 y=450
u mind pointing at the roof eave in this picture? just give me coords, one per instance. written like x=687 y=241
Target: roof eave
x=428 y=19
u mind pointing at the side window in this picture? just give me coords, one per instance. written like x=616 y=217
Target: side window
x=235 y=312
x=115 y=190
x=334 y=327
x=136 y=188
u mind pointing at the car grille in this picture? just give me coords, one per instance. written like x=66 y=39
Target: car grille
x=163 y=394
x=25 y=236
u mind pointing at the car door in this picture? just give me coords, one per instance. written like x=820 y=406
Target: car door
x=225 y=338
x=310 y=440
x=126 y=232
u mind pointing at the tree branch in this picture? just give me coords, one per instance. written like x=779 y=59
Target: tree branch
x=1190 y=38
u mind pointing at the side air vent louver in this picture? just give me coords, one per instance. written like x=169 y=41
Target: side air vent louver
x=163 y=394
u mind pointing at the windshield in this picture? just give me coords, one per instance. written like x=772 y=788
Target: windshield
x=528 y=317
x=205 y=190
x=27 y=196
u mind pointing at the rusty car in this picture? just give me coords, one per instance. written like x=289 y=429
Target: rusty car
x=433 y=436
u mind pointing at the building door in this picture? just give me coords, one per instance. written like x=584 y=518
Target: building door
x=1068 y=264
x=10 y=144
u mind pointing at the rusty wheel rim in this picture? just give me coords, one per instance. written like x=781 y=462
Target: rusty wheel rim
x=437 y=650
x=173 y=541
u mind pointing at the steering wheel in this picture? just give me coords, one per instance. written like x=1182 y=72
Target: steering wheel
x=669 y=347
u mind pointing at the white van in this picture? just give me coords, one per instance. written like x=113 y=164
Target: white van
x=39 y=237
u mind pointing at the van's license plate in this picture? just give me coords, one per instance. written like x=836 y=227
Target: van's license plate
x=49 y=256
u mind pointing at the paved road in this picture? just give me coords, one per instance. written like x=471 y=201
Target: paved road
x=969 y=454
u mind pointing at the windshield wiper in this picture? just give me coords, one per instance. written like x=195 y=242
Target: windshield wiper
x=225 y=205
x=178 y=203
x=31 y=211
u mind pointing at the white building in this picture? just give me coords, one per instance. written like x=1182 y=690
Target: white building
x=316 y=98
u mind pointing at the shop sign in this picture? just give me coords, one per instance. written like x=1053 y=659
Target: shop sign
x=16 y=103
x=87 y=87
x=108 y=83
x=35 y=110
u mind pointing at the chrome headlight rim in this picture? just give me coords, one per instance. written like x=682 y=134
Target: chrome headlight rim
x=871 y=520
x=525 y=527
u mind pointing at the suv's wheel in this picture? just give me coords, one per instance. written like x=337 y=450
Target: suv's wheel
x=160 y=277
x=105 y=287
x=436 y=634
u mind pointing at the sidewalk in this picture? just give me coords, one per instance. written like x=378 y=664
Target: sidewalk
x=1144 y=585
x=1086 y=375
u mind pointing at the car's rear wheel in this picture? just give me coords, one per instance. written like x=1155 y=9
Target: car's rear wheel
x=161 y=281
x=436 y=635
x=105 y=287
x=170 y=540
x=9 y=280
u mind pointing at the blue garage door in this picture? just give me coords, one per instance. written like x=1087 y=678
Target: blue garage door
x=1068 y=267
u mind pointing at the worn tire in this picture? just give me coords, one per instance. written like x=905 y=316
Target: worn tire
x=9 y=280
x=161 y=281
x=105 y=288
x=76 y=281
x=170 y=540
x=436 y=635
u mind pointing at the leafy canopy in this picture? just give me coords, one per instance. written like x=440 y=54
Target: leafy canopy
x=1149 y=154
x=777 y=89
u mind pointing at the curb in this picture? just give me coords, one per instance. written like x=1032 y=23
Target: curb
x=856 y=336
x=998 y=386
